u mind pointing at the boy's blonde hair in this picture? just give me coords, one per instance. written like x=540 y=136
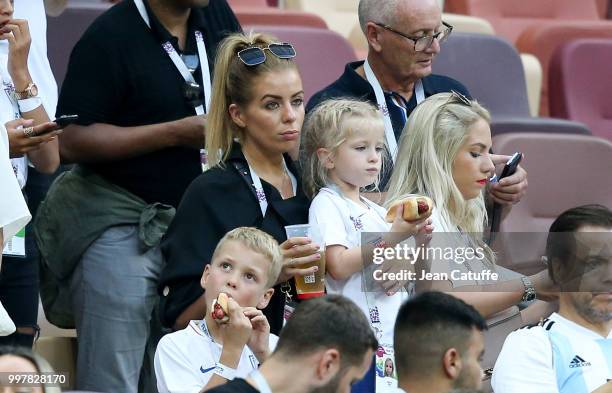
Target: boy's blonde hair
x=260 y=242
x=328 y=126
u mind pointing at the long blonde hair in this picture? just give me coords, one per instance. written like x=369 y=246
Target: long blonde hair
x=232 y=84
x=434 y=133
x=327 y=126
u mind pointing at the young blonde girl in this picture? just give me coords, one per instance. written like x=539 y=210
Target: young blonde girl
x=342 y=149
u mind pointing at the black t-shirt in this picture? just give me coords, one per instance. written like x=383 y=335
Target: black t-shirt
x=219 y=200
x=238 y=385
x=119 y=74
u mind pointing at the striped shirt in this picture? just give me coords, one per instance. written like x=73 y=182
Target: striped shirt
x=557 y=356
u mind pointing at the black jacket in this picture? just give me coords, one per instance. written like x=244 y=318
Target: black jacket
x=216 y=202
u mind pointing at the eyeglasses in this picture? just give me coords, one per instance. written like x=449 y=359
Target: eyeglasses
x=422 y=43
x=255 y=55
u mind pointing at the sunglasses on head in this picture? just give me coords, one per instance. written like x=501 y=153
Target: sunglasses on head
x=255 y=55
x=458 y=97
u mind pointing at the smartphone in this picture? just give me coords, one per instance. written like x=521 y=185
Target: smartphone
x=65 y=120
x=509 y=168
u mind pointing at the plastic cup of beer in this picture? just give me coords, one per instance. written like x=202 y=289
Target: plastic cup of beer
x=311 y=285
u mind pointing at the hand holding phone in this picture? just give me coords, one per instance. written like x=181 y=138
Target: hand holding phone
x=509 y=168
x=65 y=120
x=61 y=123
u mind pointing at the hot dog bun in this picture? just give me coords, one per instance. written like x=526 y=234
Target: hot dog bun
x=219 y=310
x=416 y=207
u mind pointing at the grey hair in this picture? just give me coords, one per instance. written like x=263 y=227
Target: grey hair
x=381 y=11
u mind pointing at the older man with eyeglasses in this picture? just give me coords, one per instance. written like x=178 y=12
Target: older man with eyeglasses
x=404 y=36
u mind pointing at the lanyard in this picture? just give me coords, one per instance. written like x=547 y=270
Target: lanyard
x=373 y=310
x=260 y=381
x=259 y=192
x=382 y=104
x=180 y=64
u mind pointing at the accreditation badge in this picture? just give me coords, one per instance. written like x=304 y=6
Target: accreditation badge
x=16 y=245
x=386 y=375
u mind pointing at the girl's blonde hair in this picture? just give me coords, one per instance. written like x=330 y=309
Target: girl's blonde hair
x=434 y=133
x=232 y=84
x=327 y=126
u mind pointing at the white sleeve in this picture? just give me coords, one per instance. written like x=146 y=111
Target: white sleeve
x=525 y=364
x=273 y=341
x=14 y=213
x=327 y=216
x=174 y=370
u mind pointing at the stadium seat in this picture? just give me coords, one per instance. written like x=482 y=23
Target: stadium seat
x=538 y=27
x=496 y=79
x=248 y=3
x=602 y=8
x=64 y=31
x=542 y=41
x=511 y=18
x=580 y=84
x=314 y=47
x=533 y=77
x=61 y=353
x=340 y=15
x=277 y=17
x=565 y=171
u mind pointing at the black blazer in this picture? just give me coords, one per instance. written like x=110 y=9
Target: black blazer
x=216 y=202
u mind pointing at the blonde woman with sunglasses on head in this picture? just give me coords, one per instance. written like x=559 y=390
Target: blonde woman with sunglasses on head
x=444 y=154
x=256 y=117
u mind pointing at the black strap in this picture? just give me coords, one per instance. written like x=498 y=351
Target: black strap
x=245 y=174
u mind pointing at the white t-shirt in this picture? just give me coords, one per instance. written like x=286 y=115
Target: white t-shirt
x=38 y=62
x=40 y=70
x=341 y=222
x=14 y=213
x=558 y=357
x=185 y=360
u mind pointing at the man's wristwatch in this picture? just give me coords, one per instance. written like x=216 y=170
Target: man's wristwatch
x=29 y=92
x=530 y=292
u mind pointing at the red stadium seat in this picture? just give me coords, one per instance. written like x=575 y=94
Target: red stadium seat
x=496 y=79
x=314 y=47
x=602 y=8
x=542 y=41
x=511 y=17
x=580 y=84
x=248 y=3
x=539 y=27
x=277 y=17
x=565 y=171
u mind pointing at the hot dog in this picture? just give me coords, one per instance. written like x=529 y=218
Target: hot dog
x=416 y=208
x=219 y=310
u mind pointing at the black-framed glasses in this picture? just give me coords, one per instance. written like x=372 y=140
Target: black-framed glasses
x=422 y=43
x=255 y=55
